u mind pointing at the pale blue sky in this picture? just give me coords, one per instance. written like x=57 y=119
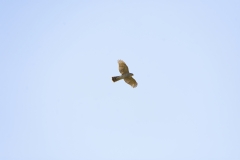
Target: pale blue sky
x=58 y=101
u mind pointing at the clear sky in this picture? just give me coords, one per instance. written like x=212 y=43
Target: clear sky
x=57 y=99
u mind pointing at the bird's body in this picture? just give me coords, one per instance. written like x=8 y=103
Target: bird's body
x=123 y=69
x=117 y=78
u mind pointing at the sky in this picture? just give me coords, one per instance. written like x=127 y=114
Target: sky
x=57 y=99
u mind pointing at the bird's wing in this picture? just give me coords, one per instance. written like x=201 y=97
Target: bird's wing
x=123 y=68
x=131 y=81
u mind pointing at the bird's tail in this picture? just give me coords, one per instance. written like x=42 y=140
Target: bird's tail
x=115 y=79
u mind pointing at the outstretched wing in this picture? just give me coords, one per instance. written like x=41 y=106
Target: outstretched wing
x=131 y=81
x=123 y=68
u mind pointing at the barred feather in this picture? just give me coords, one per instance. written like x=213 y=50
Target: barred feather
x=115 y=79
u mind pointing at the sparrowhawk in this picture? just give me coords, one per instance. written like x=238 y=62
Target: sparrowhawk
x=123 y=69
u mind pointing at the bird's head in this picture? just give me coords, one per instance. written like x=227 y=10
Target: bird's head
x=131 y=74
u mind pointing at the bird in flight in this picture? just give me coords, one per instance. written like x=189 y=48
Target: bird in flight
x=123 y=69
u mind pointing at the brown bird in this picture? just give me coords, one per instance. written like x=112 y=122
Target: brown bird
x=123 y=69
